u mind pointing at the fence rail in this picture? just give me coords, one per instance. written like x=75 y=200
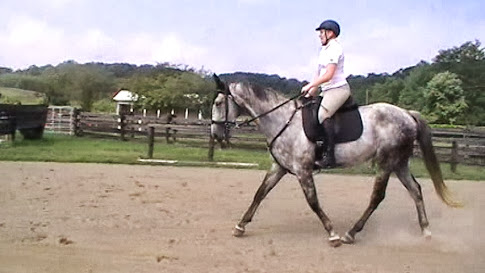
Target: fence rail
x=28 y=119
x=451 y=145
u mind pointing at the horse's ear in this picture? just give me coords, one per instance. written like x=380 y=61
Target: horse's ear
x=221 y=86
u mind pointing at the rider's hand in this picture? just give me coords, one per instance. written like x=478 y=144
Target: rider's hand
x=305 y=89
x=309 y=91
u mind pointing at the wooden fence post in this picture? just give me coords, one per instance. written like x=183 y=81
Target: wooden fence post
x=151 y=141
x=132 y=127
x=122 y=122
x=8 y=124
x=76 y=122
x=167 y=134
x=174 y=135
x=13 y=128
x=211 y=148
x=454 y=156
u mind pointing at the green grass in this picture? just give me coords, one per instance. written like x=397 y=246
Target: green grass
x=14 y=96
x=70 y=149
x=58 y=148
x=61 y=148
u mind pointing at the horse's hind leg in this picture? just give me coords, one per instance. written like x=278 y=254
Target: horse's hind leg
x=378 y=194
x=308 y=186
x=273 y=176
x=414 y=189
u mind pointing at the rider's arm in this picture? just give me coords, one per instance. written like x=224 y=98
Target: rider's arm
x=314 y=90
x=311 y=88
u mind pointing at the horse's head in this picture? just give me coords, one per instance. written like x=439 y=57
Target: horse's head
x=224 y=111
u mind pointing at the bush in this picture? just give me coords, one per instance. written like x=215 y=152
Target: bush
x=105 y=106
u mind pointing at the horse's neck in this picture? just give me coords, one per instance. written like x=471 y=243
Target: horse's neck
x=272 y=123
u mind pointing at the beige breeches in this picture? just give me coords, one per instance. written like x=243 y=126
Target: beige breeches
x=332 y=100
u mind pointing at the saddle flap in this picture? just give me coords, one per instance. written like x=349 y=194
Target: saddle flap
x=309 y=112
x=348 y=122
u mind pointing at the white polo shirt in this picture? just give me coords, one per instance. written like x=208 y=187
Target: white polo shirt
x=332 y=53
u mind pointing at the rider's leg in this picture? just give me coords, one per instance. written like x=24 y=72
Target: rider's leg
x=331 y=102
x=328 y=161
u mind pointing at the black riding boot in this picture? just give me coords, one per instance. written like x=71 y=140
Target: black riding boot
x=328 y=160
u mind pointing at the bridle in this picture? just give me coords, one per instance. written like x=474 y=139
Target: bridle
x=226 y=123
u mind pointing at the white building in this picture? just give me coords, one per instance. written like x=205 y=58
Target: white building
x=124 y=101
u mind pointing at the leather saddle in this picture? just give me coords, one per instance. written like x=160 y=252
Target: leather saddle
x=348 y=122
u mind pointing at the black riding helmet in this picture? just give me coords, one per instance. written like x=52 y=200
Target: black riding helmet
x=330 y=25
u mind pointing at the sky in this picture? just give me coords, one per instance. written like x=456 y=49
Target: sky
x=260 y=36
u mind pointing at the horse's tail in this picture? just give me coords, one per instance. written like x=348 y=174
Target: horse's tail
x=430 y=160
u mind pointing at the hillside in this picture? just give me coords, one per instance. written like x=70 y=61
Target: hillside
x=284 y=85
x=25 y=97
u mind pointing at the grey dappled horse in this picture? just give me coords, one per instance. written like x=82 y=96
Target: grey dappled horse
x=387 y=139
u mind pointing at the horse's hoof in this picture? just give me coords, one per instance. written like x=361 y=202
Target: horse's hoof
x=427 y=234
x=238 y=231
x=347 y=239
x=334 y=241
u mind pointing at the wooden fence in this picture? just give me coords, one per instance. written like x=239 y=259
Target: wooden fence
x=453 y=146
x=28 y=119
x=456 y=146
x=123 y=127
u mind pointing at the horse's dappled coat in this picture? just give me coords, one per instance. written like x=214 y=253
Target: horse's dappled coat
x=388 y=138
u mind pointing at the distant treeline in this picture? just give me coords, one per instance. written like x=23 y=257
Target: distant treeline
x=449 y=90
x=286 y=86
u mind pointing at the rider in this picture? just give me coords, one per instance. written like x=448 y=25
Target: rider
x=331 y=80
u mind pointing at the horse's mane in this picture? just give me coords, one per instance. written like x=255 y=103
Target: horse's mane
x=264 y=93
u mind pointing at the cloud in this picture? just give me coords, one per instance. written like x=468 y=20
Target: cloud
x=385 y=47
x=148 y=48
x=376 y=46
x=27 y=41
x=245 y=35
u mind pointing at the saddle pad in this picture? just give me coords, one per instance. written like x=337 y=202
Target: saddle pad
x=348 y=122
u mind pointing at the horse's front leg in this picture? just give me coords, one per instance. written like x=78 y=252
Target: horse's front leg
x=221 y=143
x=308 y=186
x=273 y=176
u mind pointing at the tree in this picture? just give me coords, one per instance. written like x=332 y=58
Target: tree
x=469 y=51
x=92 y=82
x=5 y=70
x=288 y=87
x=444 y=99
x=412 y=95
x=387 y=91
x=26 y=82
x=361 y=86
x=468 y=62
x=173 y=91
